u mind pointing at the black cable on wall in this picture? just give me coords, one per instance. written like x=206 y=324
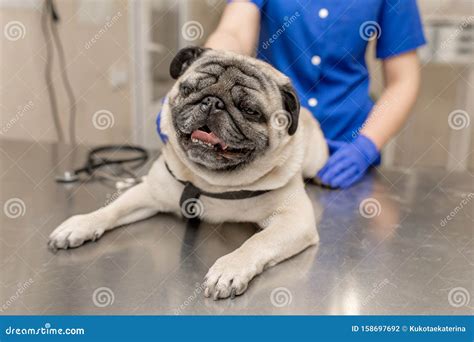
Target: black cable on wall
x=48 y=70
x=50 y=12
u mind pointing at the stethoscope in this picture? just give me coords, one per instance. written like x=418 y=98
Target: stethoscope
x=96 y=160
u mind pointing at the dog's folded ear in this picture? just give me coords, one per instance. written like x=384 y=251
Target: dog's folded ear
x=291 y=104
x=183 y=59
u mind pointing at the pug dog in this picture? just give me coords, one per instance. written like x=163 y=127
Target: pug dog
x=239 y=149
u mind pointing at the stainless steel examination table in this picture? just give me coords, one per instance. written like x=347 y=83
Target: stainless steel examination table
x=400 y=242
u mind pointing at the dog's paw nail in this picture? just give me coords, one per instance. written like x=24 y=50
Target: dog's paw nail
x=96 y=236
x=52 y=247
x=206 y=292
x=232 y=293
x=216 y=295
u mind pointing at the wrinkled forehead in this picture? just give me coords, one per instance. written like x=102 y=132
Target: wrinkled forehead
x=230 y=70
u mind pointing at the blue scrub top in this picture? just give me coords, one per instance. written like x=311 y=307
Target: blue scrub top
x=321 y=45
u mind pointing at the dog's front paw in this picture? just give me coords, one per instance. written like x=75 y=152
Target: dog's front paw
x=75 y=231
x=229 y=276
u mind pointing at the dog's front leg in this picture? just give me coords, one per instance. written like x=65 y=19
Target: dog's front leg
x=290 y=231
x=135 y=204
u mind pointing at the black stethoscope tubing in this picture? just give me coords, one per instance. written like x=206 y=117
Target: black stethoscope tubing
x=94 y=162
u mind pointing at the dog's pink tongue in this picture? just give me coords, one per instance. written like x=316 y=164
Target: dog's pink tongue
x=210 y=138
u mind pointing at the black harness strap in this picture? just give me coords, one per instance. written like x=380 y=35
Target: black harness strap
x=192 y=192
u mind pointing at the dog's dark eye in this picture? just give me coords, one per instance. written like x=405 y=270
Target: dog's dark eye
x=248 y=110
x=185 y=89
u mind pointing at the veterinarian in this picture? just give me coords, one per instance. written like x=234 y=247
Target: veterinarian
x=321 y=46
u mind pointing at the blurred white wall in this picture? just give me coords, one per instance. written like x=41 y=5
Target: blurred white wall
x=95 y=39
x=427 y=140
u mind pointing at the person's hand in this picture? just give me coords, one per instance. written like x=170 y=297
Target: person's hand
x=334 y=145
x=348 y=162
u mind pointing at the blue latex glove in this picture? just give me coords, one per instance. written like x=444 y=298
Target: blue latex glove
x=348 y=162
x=335 y=145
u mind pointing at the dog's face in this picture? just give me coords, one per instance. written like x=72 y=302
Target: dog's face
x=227 y=108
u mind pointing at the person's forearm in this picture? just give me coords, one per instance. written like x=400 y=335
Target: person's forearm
x=402 y=75
x=390 y=113
x=221 y=40
x=234 y=35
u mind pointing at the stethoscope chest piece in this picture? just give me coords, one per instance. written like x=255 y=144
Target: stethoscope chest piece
x=67 y=177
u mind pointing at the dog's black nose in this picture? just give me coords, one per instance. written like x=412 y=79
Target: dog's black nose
x=211 y=104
